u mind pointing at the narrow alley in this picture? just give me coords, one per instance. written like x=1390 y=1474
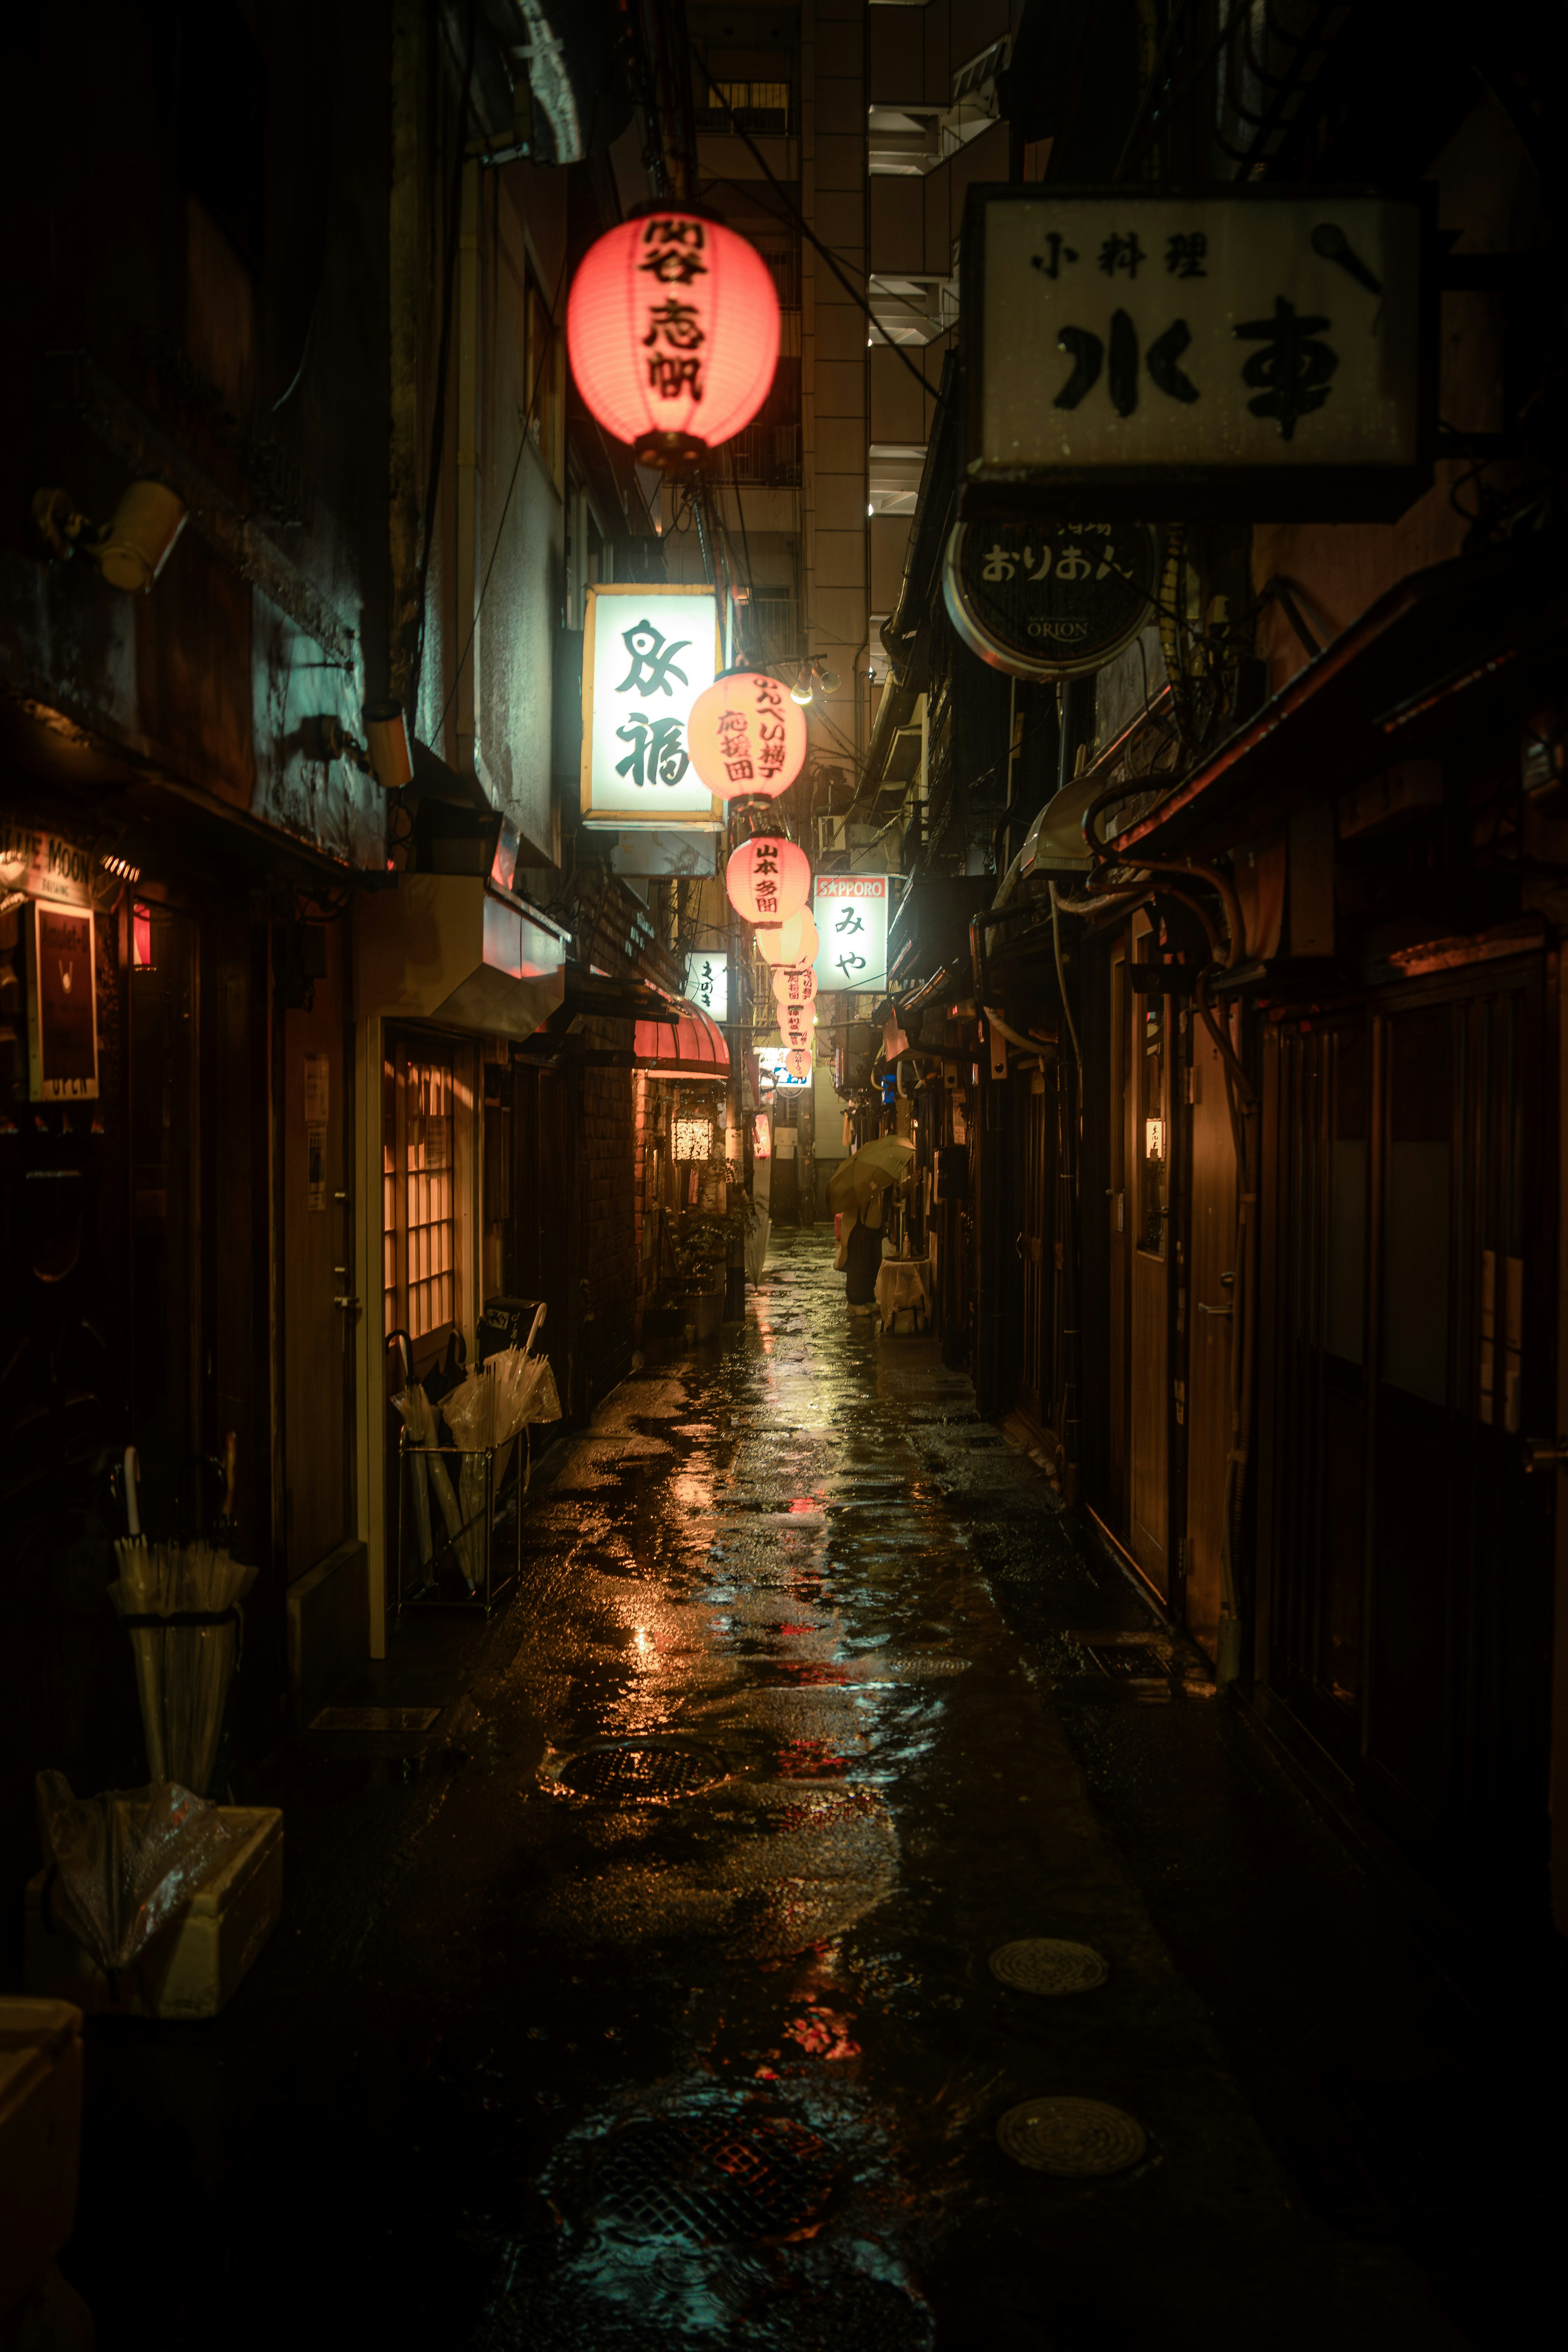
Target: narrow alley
x=644 y=1997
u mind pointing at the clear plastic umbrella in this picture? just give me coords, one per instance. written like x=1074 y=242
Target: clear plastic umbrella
x=125 y=1861
x=183 y=1669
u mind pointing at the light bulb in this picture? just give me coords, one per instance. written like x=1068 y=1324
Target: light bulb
x=801 y=691
x=829 y=680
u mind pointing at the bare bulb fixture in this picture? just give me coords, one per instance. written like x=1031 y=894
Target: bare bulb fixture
x=130 y=551
x=801 y=691
x=829 y=680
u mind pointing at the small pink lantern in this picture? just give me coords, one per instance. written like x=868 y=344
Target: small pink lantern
x=790 y=942
x=797 y=1062
x=745 y=735
x=795 y=983
x=768 y=879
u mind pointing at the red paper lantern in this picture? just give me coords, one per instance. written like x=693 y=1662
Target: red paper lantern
x=797 y=1062
x=672 y=325
x=745 y=735
x=768 y=880
x=794 y=941
x=795 y=983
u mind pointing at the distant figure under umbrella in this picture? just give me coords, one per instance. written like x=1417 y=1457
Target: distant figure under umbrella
x=859 y=1184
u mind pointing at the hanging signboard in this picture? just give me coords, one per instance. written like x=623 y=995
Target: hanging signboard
x=43 y=864
x=1042 y=600
x=62 y=1004
x=708 y=983
x=1252 y=351
x=851 y=915
x=648 y=653
x=770 y=1069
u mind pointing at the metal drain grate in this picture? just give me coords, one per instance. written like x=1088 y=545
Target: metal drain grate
x=1129 y=1662
x=374 y=1718
x=714 y=2177
x=634 y=1776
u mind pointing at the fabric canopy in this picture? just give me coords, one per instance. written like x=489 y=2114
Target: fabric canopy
x=687 y=1044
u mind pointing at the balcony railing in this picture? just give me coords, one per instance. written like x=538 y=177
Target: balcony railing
x=760 y=107
x=767 y=455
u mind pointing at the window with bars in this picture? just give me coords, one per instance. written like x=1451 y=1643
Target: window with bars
x=419 y=1193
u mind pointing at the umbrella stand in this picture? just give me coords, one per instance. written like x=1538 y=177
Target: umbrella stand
x=477 y=1528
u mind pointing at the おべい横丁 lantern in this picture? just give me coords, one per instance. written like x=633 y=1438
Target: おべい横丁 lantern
x=768 y=879
x=673 y=326
x=794 y=941
x=745 y=735
x=795 y=983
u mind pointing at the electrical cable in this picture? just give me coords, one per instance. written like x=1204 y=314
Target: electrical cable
x=794 y=212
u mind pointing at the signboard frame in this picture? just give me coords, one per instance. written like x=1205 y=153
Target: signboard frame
x=720 y=958
x=1224 y=489
x=826 y=887
x=659 y=814
x=46 y=989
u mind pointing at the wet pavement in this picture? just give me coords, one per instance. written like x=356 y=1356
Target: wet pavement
x=645 y=1999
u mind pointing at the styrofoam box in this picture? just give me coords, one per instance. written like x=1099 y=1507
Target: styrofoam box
x=193 y=1965
x=41 y=2138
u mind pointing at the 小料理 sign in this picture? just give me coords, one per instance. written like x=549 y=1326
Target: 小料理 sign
x=648 y=653
x=1042 y=600
x=850 y=911
x=1252 y=351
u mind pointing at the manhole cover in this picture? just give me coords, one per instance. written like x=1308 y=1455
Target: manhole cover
x=714 y=2177
x=634 y=1776
x=1130 y=1662
x=1077 y=2139
x=1048 y=1964
x=374 y=1718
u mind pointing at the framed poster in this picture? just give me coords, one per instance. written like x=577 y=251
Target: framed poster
x=648 y=653
x=1253 y=350
x=62 y=1003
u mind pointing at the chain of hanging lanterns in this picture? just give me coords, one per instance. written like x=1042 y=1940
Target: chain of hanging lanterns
x=672 y=329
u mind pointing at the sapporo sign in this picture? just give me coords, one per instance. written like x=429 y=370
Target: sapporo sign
x=647 y=653
x=1042 y=600
x=850 y=911
x=1252 y=352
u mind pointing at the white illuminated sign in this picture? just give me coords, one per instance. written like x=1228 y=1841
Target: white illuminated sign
x=771 y=1067
x=708 y=983
x=850 y=911
x=648 y=653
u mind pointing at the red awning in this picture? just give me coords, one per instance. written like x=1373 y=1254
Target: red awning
x=688 y=1045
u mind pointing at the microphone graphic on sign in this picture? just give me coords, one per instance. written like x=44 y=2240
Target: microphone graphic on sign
x=66 y=976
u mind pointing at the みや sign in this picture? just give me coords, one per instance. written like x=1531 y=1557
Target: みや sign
x=851 y=915
x=62 y=1004
x=1254 y=350
x=648 y=653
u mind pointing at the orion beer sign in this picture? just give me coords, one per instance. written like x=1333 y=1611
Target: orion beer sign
x=850 y=911
x=648 y=653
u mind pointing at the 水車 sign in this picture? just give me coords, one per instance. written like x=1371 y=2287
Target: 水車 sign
x=648 y=653
x=1253 y=350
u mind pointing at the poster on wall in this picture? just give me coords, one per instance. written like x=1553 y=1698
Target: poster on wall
x=648 y=653
x=707 y=983
x=62 y=1004
x=850 y=911
x=771 y=1070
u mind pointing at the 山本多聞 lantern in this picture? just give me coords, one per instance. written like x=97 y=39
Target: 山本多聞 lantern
x=794 y=941
x=673 y=326
x=768 y=879
x=745 y=735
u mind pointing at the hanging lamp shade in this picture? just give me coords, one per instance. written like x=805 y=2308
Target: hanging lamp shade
x=745 y=735
x=797 y=1062
x=768 y=879
x=794 y=941
x=795 y=983
x=672 y=326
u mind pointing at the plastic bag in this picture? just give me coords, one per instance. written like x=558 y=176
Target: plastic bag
x=126 y=1861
